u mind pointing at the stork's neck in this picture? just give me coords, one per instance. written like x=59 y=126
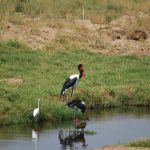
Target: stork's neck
x=81 y=74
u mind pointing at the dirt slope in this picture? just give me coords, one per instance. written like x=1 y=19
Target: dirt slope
x=114 y=38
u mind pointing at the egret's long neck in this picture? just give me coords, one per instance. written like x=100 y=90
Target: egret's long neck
x=38 y=104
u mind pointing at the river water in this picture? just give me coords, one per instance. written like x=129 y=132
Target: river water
x=110 y=126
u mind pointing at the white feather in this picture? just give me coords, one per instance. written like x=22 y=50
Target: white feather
x=34 y=134
x=36 y=111
x=74 y=76
x=83 y=102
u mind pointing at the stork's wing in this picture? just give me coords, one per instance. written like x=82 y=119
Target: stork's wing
x=68 y=84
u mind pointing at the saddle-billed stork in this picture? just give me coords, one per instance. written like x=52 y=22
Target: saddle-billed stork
x=78 y=105
x=71 y=82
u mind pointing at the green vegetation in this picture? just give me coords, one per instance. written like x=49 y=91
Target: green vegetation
x=89 y=132
x=26 y=75
x=140 y=143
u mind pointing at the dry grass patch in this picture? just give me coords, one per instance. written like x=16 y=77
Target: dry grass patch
x=13 y=81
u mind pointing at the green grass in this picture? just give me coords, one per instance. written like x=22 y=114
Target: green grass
x=111 y=81
x=140 y=143
x=89 y=132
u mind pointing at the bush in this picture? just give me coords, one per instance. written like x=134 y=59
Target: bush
x=14 y=44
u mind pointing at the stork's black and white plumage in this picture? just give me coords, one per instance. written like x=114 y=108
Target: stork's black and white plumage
x=77 y=105
x=71 y=82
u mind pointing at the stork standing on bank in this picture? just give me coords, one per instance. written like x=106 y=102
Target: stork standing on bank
x=71 y=82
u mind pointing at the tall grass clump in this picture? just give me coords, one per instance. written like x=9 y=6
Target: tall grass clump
x=14 y=44
x=139 y=143
x=28 y=7
x=95 y=10
x=112 y=6
x=108 y=18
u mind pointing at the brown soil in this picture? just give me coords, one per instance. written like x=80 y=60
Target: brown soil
x=120 y=147
x=111 y=39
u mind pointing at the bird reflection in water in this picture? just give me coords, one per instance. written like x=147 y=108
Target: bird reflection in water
x=35 y=136
x=68 y=137
x=80 y=124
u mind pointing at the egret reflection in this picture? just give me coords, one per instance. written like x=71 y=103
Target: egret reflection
x=35 y=136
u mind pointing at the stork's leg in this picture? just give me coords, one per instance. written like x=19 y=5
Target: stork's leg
x=72 y=92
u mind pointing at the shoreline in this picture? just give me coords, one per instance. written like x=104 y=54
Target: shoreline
x=120 y=147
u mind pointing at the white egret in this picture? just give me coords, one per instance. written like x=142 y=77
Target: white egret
x=36 y=111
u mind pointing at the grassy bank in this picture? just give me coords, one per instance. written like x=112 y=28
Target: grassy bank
x=139 y=143
x=143 y=144
x=26 y=75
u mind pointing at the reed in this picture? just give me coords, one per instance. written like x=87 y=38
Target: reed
x=89 y=132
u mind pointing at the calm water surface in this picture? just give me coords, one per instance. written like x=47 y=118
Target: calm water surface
x=112 y=126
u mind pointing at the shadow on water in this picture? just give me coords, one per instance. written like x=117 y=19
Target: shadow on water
x=125 y=123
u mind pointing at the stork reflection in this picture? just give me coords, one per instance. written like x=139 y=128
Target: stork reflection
x=68 y=137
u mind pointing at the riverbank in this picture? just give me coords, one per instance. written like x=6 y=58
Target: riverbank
x=28 y=74
x=143 y=144
x=120 y=147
